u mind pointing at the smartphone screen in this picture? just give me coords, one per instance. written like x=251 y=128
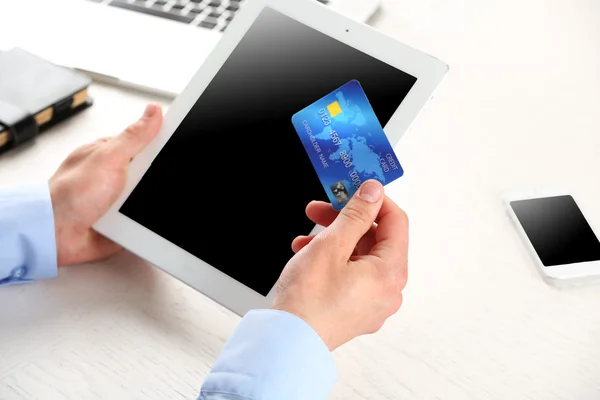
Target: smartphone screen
x=557 y=230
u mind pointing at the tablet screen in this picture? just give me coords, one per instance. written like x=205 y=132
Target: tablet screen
x=232 y=183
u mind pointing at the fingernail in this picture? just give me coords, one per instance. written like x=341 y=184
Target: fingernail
x=371 y=191
x=150 y=110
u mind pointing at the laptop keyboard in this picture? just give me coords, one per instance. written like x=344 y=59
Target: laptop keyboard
x=208 y=14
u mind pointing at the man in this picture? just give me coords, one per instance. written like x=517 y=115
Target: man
x=342 y=283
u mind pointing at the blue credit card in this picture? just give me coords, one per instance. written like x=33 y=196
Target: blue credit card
x=346 y=143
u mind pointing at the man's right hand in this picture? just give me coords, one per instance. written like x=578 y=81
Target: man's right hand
x=348 y=279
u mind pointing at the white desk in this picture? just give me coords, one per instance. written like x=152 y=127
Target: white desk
x=520 y=108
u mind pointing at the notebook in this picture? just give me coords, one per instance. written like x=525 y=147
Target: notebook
x=35 y=95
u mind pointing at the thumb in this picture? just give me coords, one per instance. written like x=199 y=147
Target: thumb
x=358 y=216
x=133 y=139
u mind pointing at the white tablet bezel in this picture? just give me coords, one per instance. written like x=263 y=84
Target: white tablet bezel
x=557 y=273
x=230 y=293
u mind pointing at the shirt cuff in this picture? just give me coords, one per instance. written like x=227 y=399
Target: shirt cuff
x=27 y=235
x=273 y=355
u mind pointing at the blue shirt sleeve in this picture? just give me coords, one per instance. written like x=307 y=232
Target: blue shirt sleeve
x=272 y=355
x=27 y=237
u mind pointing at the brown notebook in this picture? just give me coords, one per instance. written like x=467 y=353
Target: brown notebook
x=35 y=94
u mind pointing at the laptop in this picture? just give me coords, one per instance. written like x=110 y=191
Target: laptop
x=150 y=45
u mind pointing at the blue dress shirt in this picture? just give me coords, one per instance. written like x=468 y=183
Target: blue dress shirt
x=27 y=242
x=272 y=355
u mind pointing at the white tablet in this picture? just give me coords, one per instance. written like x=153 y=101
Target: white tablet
x=218 y=197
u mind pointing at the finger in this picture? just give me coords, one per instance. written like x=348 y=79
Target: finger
x=321 y=213
x=358 y=216
x=301 y=242
x=367 y=242
x=84 y=151
x=101 y=247
x=133 y=139
x=103 y=140
x=392 y=233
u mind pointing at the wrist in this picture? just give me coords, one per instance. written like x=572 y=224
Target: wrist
x=320 y=329
x=59 y=223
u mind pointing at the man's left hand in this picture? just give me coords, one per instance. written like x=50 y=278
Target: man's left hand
x=88 y=182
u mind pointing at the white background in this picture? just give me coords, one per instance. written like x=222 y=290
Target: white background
x=520 y=108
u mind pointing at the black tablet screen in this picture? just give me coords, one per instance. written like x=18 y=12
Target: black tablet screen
x=232 y=183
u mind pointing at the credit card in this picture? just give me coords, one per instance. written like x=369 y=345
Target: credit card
x=346 y=143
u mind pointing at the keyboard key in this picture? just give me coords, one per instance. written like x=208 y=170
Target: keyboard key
x=209 y=23
x=159 y=12
x=214 y=10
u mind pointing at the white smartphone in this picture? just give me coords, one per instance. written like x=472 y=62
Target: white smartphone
x=561 y=240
